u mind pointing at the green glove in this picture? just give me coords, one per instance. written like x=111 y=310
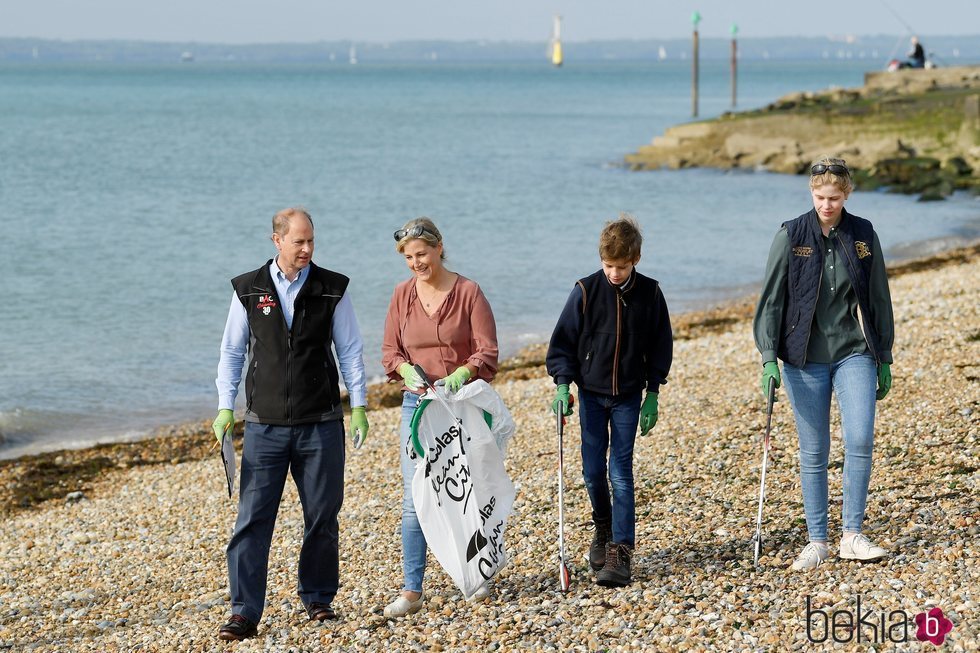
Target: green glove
x=456 y=380
x=649 y=413
x=562 y=395
x=358 y=425
x=412 y=379
x=884 y=380
x=769 y=371
x=224 y=422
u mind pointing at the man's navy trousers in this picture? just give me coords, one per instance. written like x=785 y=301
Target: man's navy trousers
x=314 y=454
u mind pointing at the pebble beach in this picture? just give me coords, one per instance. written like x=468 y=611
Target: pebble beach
x=122 y=548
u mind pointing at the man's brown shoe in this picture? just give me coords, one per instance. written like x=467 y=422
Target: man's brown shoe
x=616 y=572
x=321 y=612
x=237 y=629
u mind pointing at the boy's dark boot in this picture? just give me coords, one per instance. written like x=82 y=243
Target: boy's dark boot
x=601 y=537
x=616 y=571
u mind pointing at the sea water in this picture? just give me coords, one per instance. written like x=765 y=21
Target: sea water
x=131 y=194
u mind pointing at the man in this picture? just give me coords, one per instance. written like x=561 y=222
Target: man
x=917 y=55
x=285 y=315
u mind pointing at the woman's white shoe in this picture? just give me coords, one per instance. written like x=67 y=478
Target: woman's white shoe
x=402 y=607
x=481 y=593
x=860 y=548
x=811 y=556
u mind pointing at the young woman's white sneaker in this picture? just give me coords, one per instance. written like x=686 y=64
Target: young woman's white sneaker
x=402 y=607
x=811 y=556
x=858 y=547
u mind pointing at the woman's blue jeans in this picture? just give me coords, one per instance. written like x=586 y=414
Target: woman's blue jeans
x=609 y=424
x=414 y=547
x=854 y=381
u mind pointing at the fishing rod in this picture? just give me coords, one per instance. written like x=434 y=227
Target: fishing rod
x=909 y=31
x=897 y=17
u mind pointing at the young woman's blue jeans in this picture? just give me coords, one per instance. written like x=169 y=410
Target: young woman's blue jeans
x=854 y=381
x=609 y=424
x=414 y=547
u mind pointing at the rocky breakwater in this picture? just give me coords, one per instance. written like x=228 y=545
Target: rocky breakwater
x=912 y=131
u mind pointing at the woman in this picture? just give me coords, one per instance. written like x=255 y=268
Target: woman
x=825 y=310
x=440 y=320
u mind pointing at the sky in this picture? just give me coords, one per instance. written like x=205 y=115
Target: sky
x=304 y=21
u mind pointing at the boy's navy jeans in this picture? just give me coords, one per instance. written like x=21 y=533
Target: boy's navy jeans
x=314 y=454
x=609 y=426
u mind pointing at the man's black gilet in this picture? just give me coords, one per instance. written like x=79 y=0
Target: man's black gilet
x=292 y=376
x=806 y=261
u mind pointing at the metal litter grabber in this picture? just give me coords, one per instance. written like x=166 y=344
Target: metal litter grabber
x=564 y=578
x=445 y=404
x=757 y=538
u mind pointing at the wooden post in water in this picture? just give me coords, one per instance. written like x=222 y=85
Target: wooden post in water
x=695 y=19
x=734 y=65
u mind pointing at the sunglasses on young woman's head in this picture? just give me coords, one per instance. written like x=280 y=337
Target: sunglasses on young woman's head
x=413 y=232
x=834 y=168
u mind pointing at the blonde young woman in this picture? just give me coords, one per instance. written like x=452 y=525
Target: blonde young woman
x=826 y=312
x=440 y=320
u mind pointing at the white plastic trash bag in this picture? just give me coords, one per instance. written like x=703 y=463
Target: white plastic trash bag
x=461 y=490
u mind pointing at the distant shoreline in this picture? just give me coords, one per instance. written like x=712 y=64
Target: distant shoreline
x=873 y=49
x=30 y=480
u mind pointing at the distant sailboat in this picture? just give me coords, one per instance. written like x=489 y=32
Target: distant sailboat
x=556 y=54
x=187 y=56
x=352 y=55
x=662 y=53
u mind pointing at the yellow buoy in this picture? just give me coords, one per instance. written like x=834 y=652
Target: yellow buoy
x=556 y=53
x=556 y=56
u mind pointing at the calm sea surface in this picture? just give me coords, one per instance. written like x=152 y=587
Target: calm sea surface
x=129 y=196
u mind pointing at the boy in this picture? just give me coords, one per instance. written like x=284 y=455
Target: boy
x=613 y=339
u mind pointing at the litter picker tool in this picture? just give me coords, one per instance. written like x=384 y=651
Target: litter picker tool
x=757 y=538
x=228 y=459
x=445 y=404
x=564 y=578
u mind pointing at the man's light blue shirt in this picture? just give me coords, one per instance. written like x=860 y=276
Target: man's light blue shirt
x=346 y=340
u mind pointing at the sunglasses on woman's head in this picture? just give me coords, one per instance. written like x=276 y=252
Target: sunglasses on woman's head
x=413 y=232
x=835 y=168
